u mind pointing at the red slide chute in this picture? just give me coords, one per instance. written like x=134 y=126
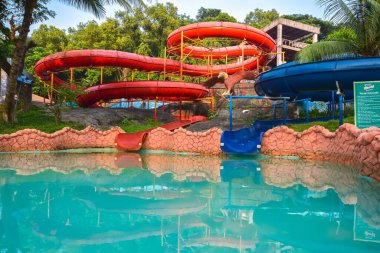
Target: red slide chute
x=256 y=44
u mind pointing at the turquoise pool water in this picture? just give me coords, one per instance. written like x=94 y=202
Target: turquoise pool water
x=107 y=202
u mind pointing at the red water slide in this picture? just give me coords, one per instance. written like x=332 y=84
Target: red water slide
x=256 y=44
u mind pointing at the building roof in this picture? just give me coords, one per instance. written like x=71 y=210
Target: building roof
x=291 y=30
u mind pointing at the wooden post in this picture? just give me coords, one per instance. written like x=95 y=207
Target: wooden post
x=212 y=101
x=258 y=65
x=181 y=70
x=71 y=78
x=165 y=64
x=51 y=87
x=226 y=62
x=242 y=67
x=242 y=55
x=101 y=75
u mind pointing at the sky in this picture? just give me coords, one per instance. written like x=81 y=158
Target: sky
x=69 y=17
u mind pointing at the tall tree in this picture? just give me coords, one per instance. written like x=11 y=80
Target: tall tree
x=362 y=34
x=327 y=27
x=204 y=15
x=259 y=18
x=5 y=40
x=24 y=14
x=50 y=37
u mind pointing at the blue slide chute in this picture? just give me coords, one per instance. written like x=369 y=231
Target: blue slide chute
x=247 y=140
x=243 y=141
x=316 y=80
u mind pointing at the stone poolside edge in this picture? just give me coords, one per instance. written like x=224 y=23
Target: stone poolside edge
x=348 y=144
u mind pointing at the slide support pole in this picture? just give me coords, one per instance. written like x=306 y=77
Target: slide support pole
x=333 y=104
x=51 y=87
x=231 y=105
x=284 y=111
x=340 y=110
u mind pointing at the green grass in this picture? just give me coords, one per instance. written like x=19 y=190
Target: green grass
x=131 y=126
x=36 y=118
x=331 y=125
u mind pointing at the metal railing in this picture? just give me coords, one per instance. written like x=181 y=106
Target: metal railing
x=295 y=44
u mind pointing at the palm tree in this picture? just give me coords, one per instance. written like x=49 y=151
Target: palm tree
x=30 y=11
x=359 y=36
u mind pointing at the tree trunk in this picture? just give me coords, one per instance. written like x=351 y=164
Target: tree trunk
x=25 y=90
x=25 y=96
x=9 y=114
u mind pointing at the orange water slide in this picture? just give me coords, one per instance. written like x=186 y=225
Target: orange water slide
x=255 y=47
x=256 y=44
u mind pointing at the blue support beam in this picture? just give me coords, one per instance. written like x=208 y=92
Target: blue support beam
x=307 y=110
x=333 y=104
x=231 y=107
x=341 y=110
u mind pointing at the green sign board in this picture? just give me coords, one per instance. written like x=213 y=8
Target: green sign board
x=367 y=104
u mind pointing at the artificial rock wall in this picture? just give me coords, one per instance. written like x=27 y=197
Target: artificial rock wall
x=348 y=145
x=181 y=140
x=66 y=138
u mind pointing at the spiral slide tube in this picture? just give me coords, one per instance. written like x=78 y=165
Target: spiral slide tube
x=258 y=45
x=316 y=80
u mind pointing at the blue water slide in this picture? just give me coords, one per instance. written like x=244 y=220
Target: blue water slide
x=247 y=140
x=243 y=141
x=316 y=80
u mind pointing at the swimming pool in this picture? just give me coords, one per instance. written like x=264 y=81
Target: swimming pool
x=154 y=202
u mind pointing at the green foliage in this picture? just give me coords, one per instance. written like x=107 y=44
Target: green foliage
x=344 y=33
x=36 y=118
x=50 y=38
x=204 y=15
x=259 y=18
x=324 y=50
x=314 y=113
x=131 y=126
x=211 y=114
x=331 y=125
x=33 y=56
x=359 y=32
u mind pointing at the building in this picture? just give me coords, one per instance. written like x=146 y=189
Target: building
x=291 y=36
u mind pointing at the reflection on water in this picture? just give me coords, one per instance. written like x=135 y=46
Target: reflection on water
x=184 y=203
